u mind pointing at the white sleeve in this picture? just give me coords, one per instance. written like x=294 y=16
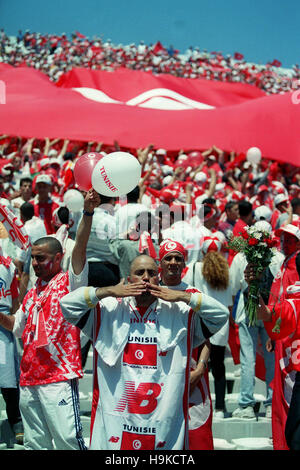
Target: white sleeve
x=210 y=316
x=20 y=322
x=236 y=273
x=78 y=308
x=78 y=280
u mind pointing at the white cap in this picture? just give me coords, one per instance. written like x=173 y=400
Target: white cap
x=289 y=228
x=167 y=170
x=45 y=161
x=263 y=213
x=200 y=177
x=280 y=198
x=167 y=180
x=54 y=161
x=43 y=179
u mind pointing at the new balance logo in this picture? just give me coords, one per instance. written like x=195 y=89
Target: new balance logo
x=141 y=400
x=62 y=402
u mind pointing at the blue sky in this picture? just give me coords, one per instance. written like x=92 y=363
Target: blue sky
x=262 y=30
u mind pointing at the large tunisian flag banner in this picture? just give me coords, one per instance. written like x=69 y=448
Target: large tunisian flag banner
x=137 y=109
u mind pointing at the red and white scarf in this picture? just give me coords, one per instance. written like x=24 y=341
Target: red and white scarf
x=15 y=228
x=40 y=314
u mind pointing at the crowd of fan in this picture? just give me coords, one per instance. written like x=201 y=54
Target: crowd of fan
x=56 y=54
x=162 y=171
x=176 y=179
x=35 y=174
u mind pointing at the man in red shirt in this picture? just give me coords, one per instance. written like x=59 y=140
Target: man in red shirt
x=246 y=218
x=43 y=205
x=51 y=360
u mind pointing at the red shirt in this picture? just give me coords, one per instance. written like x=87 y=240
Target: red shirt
x=44 y=211
x=288 y=312
x=59 y=357
x=236 y=232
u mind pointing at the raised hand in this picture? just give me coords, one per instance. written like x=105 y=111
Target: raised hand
x=91 y=201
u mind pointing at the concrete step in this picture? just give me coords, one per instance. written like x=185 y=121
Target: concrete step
x=253 y=443
x=231 y=402
x=3 y=446
x=233 y=384
x=233 y=428
x=222 y=444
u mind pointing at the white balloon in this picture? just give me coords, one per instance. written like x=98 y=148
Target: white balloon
x=74 y=200
x=254 y=155
x=116 y=174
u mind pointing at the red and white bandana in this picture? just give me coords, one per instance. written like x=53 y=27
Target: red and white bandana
x=168 y=246
x=210 y=244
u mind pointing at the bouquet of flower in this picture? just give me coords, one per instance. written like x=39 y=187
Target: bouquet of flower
x=258 y=248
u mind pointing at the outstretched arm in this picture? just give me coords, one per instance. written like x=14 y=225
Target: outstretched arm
x=78 y=305
x=210 y=315
x=91 y=201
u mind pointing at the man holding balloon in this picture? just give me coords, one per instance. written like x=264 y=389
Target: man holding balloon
x=142 y=336
x=51 y=361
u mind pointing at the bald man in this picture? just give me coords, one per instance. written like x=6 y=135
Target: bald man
x=143 y=338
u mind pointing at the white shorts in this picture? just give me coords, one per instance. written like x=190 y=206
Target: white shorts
x=50 y=415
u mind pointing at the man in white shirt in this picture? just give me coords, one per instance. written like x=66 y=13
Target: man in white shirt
x=142 y=337
x=248 y=336
x=25 y=196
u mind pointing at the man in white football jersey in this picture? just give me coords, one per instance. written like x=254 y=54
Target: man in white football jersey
x=143 y=335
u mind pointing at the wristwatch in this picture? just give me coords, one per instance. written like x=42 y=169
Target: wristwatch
x=88 y=213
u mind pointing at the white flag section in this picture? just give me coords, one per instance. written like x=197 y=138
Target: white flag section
x=14 y=227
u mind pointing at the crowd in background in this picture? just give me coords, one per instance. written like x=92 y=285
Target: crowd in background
x=56 y=54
